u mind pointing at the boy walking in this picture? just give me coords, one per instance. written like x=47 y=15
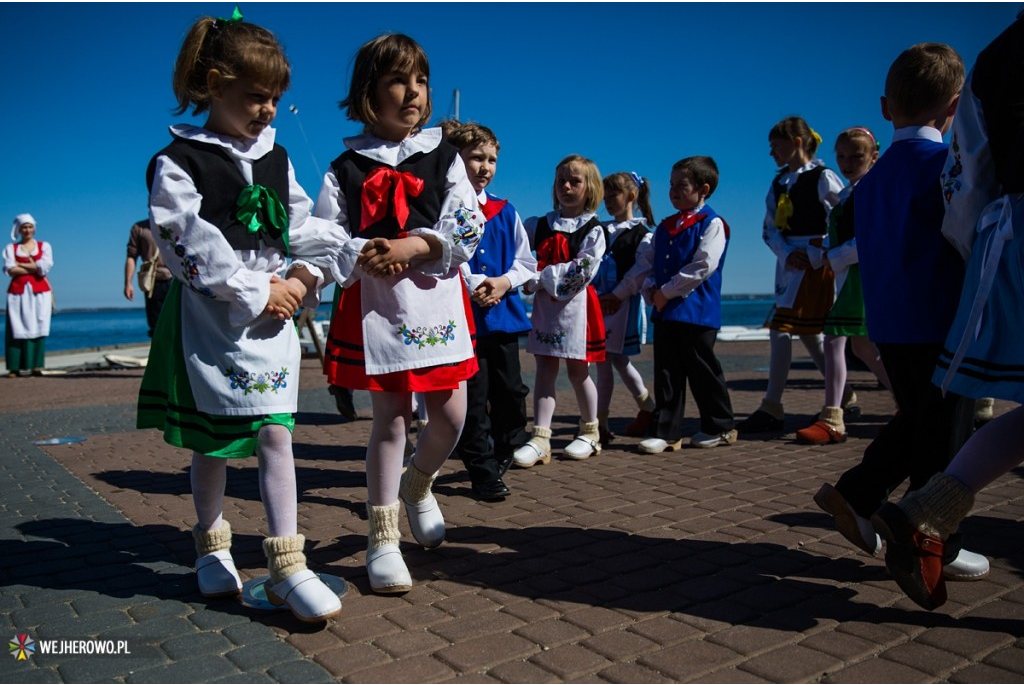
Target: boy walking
x=685 y=288
x=501 y=264
x=912 y=279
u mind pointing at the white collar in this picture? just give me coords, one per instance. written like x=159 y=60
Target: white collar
x=628 y=223
x=250 y=148
x=391 y=152
x=567 y=224
x=911 y=132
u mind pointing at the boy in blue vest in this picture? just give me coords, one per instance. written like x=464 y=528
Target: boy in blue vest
x=685 y=288
x=501 y=264
x=912 y=278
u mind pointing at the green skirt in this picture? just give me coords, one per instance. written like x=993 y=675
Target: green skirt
x=166 y=401
x=847 y=315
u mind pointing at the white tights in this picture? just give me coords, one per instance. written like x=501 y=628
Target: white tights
x=606 y=380
x=835 y=365
x=782 y=358
x=277 y=483
x=995 y=449
x=544 y=389
x=386 y=448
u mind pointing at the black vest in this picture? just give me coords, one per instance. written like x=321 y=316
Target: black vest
x=842 y=220
x=351 y=169
x=575 y=240
x=998 y=83
x=623 y=250
x=809 y=216
x=219 y=182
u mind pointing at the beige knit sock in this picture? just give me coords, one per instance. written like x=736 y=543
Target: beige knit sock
x=383 y=522
x=284 y=556
x=589 y=429
x=415 y=485
x=542 y=438
x=644 y=402
x=209 y=541
x=833 y=416
x=937 y=508
x=773 y=409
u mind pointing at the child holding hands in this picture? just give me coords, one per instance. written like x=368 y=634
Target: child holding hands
x=685 y=289
x=223 y=377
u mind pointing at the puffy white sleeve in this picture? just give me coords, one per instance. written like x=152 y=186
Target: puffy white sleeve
x=564 y=281
x=771 y=235
x=461 y=224
x=968 y=177
x=633 y=281
x=45 y=262
x=829 y=187
x=705 y=260
x=524 y=267
x=9 y=261
x=843 y=256
x=332 y=206
x=196 y=251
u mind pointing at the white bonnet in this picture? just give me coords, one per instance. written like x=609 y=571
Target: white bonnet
x=18 y=221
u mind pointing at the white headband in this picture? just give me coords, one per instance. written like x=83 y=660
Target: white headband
x=18 y=221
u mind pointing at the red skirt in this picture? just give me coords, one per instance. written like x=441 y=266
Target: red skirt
x=345 y=361
x=596 y=334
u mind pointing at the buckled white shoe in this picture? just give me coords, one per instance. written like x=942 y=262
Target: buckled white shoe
x=217 y=575
x=967 y=566
x=583 y=447
x=530 y=454
x=708 y=441
x=387 y=570
x=657 y=446
x=307 y=596
x=425 y=521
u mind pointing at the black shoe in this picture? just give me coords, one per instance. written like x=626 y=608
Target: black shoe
x=759 y=422
x=343 y=400
x=491 y=491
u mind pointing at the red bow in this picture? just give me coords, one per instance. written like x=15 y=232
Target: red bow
x=376 y=190
x=554 y=250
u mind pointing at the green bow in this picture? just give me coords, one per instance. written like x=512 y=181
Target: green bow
x=260 y=209
x=236 y=17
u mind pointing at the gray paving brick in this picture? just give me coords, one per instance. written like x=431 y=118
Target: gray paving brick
x=204 y=669
x=198 y=644
x=299 y=671
x=260 y=657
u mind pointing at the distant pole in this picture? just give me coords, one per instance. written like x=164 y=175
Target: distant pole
x=295 y=110
x=457 y=105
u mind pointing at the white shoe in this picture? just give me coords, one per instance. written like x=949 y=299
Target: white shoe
x=426 y=521
x=966 y=567
x=307 y=596
x=849 y=523
x=583 y=447
x=217 y=575
x=387 y=570
x=657 y=446
x=707 y=441
x=530 y=454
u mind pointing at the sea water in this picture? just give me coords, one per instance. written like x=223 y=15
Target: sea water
x=87 y=329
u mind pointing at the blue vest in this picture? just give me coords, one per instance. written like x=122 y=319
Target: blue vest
x=910 y=274
x=703 y=306
x=494 y=256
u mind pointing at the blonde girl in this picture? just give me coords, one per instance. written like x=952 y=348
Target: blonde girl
x=409 y=218
x=799 y=200
x=626 y=264
x=223 y=374
x=856 y=152
x=566 y=319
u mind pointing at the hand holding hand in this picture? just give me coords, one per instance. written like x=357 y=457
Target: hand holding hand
x=284 y=299
x=798 y=260
x=659 y=300
x=491 y=290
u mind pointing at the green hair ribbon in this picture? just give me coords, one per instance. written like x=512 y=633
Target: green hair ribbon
x=236 y=17
x=261 y=210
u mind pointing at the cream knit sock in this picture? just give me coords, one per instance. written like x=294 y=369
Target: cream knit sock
x=209 y=541
x=383 y=522
x=284 y=556
x=937 y=508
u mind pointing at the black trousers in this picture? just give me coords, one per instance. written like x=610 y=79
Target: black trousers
x=496 y=412
x=155 y=303
x=921 y=439
x=685 y=353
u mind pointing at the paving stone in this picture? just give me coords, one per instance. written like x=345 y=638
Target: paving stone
x=410 y=643
x=262 y=656
x=190 y=646
x=934 y=662
x=204 y=669
x=879 y=670
x=791 y=664
x=482 y=653
x=984 y=673
x=413 y=670
x=300 y=671
x=689 y=660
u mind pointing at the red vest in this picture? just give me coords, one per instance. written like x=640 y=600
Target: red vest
x=37 y=283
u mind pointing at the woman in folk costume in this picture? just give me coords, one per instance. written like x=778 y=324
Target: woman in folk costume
x=409 y=219
x=29 y=298
x=222 y=380
x=801 y=196
x=566 y=319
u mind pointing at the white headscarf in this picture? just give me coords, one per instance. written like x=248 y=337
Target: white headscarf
x=18 y=221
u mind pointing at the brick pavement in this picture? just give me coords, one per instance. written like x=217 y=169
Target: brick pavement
x=697 y=566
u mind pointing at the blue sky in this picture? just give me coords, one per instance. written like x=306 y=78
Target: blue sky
x=632 y=86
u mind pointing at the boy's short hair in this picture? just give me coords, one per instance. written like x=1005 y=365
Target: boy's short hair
x=925 y=76
x=468 y=135
x=700 y=170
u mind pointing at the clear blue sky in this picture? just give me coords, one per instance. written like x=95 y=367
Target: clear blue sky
x=632 y=86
